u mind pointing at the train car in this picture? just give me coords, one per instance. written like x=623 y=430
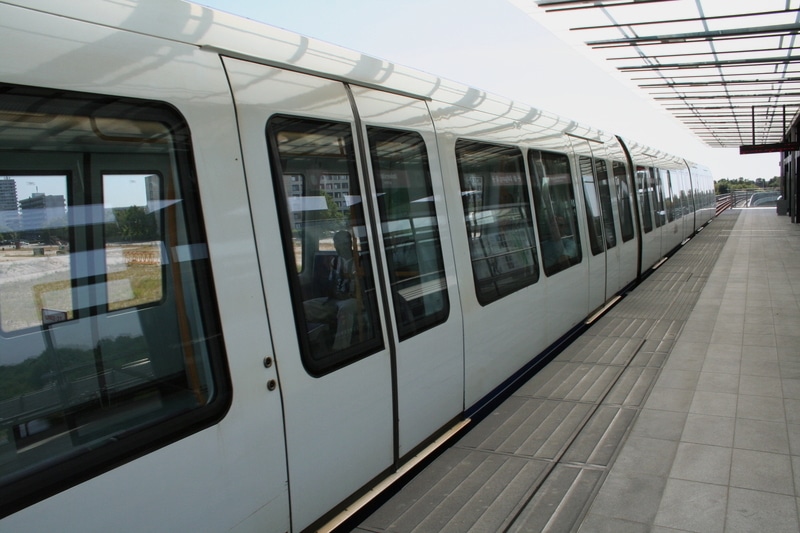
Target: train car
x=249 y=278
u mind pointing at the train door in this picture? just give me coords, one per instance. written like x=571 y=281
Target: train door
x=425 y=329
x=318 y=269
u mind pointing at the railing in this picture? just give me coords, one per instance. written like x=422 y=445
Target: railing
x=743 y=197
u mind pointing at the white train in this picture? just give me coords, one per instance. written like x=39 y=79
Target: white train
x=248 y=277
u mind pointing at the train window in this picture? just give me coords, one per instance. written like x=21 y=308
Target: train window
x=410 y=229
x=604 y=189
x=134 y=225
x=594 y=215
x=556 y=213
x=658 y=189
x=675 y=185
x=669 y=201
x=497 y=214
x=620 y=171
x=325 y=241
x=111 y=344
x=686 y=206
x=644 y=183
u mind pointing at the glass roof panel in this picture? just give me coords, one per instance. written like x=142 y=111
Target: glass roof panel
x=715 y=64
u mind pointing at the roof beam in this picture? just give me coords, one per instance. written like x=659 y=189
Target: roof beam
x=780 y=29
x=571 y=5
x=716 y=83
x=712 y=64
x=788 y=51
x=680 y=21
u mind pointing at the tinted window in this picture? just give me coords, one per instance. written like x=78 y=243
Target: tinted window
x=594 y=215
x=669 y=201
x=410 y=229
x=610 y=232
x=644 y=182
x=677 y=193
x=110 y=337
x=556 y=213
x=324 y=241
x=497 y=214
x=658 y=189
x=620 y=171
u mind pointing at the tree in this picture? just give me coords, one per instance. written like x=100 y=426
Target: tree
x=135 y=224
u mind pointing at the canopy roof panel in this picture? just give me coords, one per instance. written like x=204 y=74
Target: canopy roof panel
x=728 y=69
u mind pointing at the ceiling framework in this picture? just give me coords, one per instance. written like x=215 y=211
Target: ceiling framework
x=728 y=69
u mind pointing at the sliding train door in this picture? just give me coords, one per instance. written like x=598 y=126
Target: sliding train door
x=318 y=268
x=604 y=256
x=358 y=276
x=425 y=329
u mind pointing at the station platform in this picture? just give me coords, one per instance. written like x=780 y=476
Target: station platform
x=678 y=410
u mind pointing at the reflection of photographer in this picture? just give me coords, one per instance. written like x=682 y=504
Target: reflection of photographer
x=340 y=303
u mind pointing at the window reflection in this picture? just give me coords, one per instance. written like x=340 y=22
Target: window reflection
x=556 y=213
x=410 y=229
x=325 y=241
x=497 y=214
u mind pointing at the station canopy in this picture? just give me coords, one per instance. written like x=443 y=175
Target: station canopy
x=727 y=69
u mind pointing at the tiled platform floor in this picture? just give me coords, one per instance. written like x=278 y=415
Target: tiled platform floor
x=678 y=411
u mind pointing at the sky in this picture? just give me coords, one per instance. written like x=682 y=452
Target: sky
x=120 y=191
x=493 y=45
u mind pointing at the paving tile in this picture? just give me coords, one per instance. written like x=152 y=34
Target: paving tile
x=633 y=497
x=722 y=365
x=732 y=338
x=750 y=510
x=758 y=318
x=752 y=366
x=789 y=369
x=646 y=456
x=692 y=363
x=692 y=506
x=669 y=400
x=685 y=347
x=714 y=403
x=761 y=435
x=725 y=350
x=678 y=379
x=791 y=388
x=708 y=429
x=602 y=524
x=760 y=408
x=718 y=382
x=768 y=472
x=702 y=463
x=794 y=440
x=657 y=424
x=760 y=386
x=763 y=339
x=760 y=353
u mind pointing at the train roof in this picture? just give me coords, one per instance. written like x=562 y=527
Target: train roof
x=243 y=38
